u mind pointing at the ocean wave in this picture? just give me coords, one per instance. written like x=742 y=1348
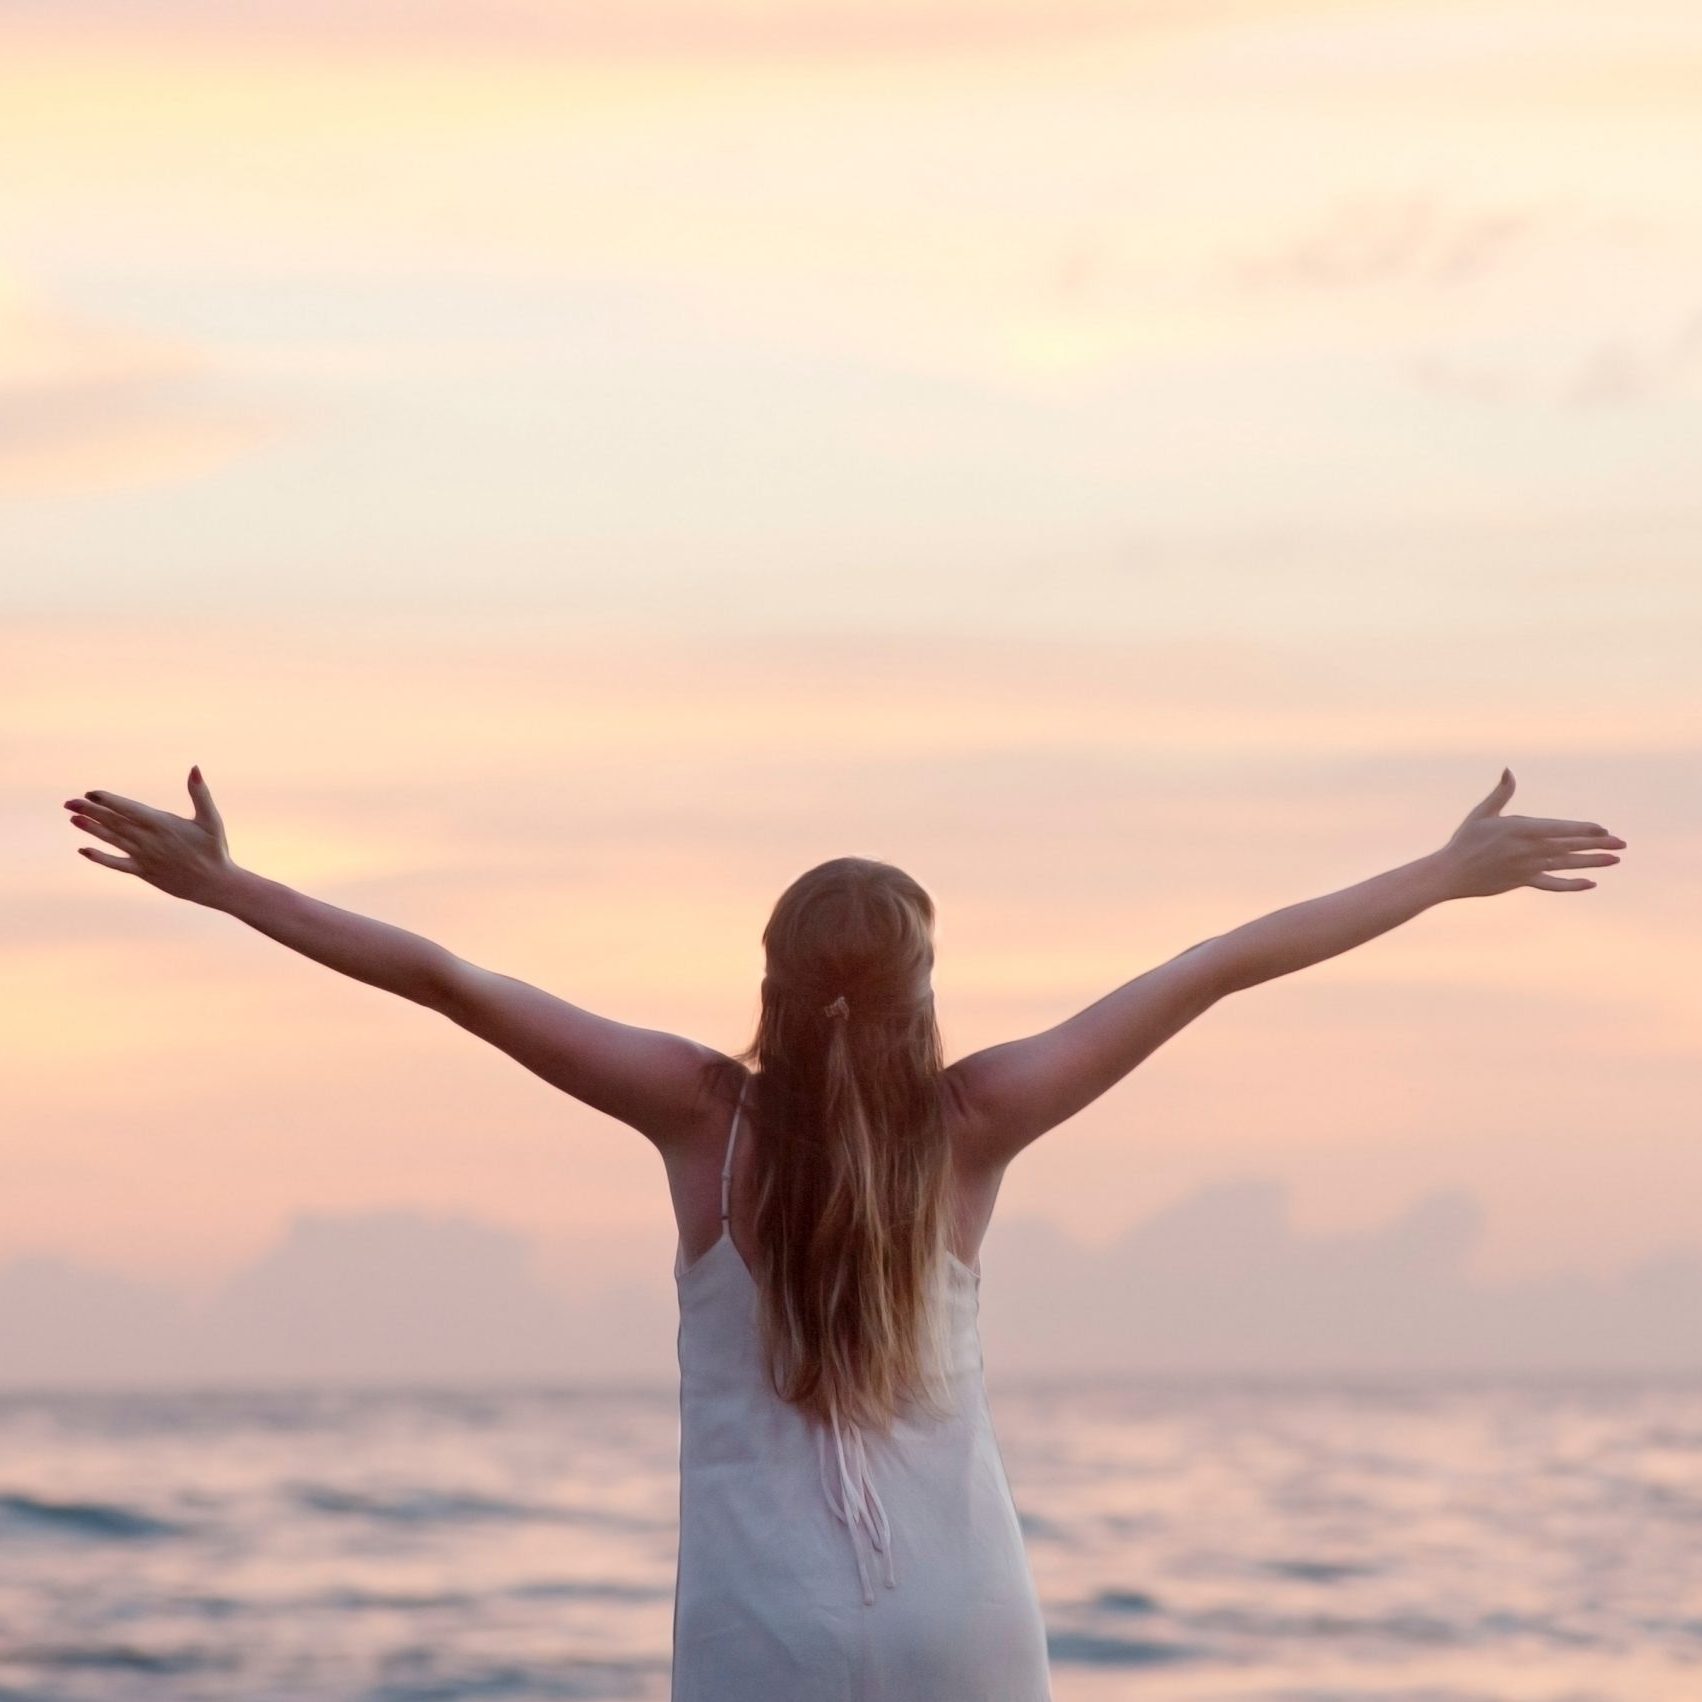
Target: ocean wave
x=99 y=1519
x=586 y=1590
x=349 y=1598
x=1320 y=1571
x=117 y=1657
x=1412 y=1629
x=354 y=1598
x=452 y=1506
x=1125 y=1601
x=1088 y=1649
x=583 y=1681
x=413 y=1507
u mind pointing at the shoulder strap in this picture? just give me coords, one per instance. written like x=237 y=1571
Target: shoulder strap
x=732 y=1135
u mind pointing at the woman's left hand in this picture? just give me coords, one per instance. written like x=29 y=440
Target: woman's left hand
x=186 y=856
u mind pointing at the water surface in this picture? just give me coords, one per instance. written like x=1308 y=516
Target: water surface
x=1420 y=1540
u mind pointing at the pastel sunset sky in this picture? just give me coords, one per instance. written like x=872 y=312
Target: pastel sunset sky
x=562 y=470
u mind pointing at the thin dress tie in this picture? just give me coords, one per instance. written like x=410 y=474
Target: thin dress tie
x=858 y=1501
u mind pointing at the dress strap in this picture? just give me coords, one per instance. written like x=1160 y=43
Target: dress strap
x=727 y=1164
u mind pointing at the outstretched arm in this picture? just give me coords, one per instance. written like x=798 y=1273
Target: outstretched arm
x=189 y=857
x=644 y=1077
x=1489 y=853
x=1010 y=1094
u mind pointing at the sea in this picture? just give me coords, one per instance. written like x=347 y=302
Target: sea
x=1404 y=1539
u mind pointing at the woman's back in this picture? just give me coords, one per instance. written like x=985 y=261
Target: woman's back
x=822 y=1564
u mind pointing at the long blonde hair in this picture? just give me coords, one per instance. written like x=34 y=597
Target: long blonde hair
x=852 y=1164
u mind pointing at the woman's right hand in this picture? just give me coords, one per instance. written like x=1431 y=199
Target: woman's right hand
x=1493 y=853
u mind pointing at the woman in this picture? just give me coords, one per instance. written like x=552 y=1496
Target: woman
x=847 y=1528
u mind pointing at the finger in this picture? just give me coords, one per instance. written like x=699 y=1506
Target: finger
x=1544 y=824
x=131 y=807
x=206 y=813
x=107 y=818
x=100 y=812
x=124 y=863
x=1585 y=842
x=100 y=831
x=1491 y=805
x=1578 y=860
x=1551 y=883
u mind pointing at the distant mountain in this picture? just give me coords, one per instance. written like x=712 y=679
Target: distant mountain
x=391 y=1296
x=1220 y=1281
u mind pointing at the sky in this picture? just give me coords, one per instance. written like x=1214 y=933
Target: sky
x=563 y=471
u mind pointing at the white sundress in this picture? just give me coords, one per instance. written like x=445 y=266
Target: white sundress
x=820 y=1565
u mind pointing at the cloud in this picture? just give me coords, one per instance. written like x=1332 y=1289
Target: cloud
x=1617 y=371
x=1219 y=1281
x=1623 y=371
x=1543 y=306
x=86 y=404
x=1366 y=241
x=1470 y=380
x=668 y=29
